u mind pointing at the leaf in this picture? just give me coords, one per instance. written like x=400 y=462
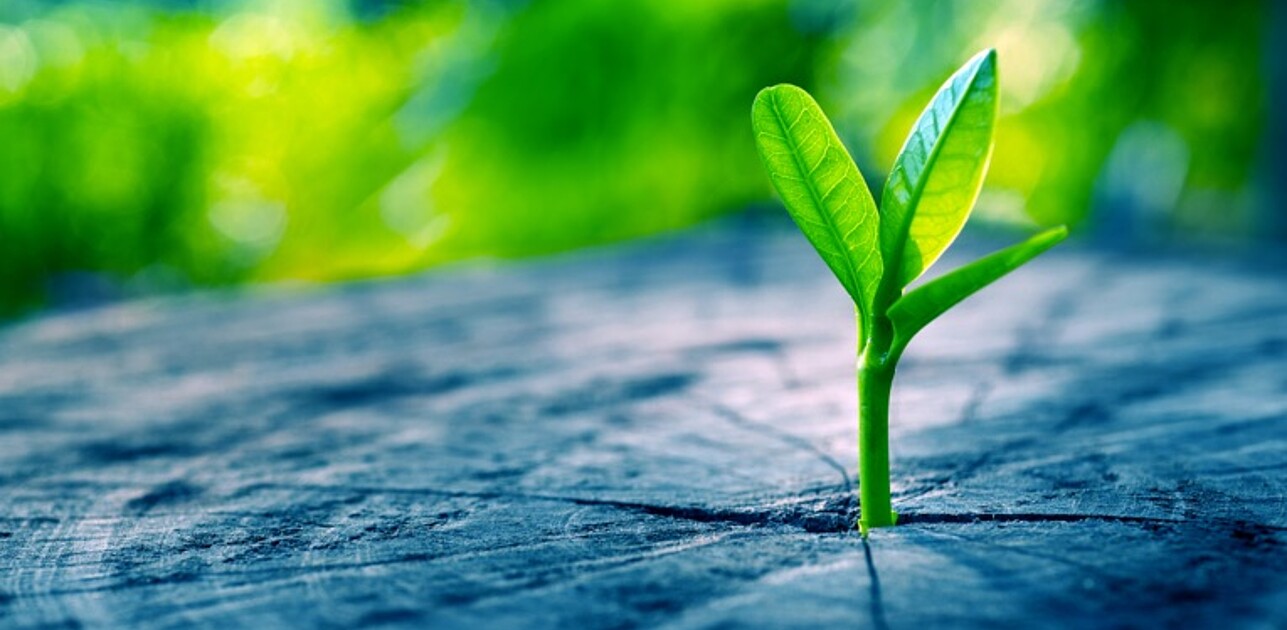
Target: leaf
x=822 y=189
x=938 y=173
x=916 y=309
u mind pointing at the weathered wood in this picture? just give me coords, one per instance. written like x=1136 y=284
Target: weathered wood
x=658 y=434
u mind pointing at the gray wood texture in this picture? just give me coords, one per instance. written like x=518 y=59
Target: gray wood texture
x=652 y=435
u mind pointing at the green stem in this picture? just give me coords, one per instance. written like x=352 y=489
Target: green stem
x=875 y=381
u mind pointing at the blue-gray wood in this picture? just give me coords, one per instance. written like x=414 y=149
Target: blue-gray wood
x=659 y=434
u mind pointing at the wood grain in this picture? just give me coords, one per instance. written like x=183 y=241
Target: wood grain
x=659 y=434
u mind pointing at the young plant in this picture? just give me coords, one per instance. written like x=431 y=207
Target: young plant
x=876 y=253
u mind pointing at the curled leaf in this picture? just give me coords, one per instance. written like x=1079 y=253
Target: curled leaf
x=938 y=174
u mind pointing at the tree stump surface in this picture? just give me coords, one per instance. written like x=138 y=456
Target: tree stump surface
x=658 y=434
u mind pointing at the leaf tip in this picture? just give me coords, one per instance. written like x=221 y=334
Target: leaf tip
x=764 y=97
x=776 y=91
x=984 y=62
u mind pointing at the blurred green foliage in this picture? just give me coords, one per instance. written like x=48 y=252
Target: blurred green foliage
x=605 y=120
x=1147 y=115
x=169 y=148
x=289 y=140
x=318 y=139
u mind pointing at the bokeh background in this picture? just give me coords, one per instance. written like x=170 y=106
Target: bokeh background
x=151 y=146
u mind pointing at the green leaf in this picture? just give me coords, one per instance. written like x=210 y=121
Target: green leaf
x=938 y=173
x=916 y=309
x=822 y=189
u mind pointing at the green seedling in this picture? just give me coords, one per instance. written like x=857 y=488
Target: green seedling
x=877 y=252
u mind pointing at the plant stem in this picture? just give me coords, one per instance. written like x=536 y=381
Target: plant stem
x=875 y=381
